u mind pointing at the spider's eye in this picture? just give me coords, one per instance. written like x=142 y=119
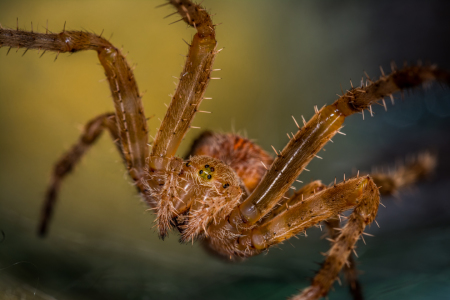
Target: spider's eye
x=188 y=164
x=212 y=169
x=226 y=185
x=200 y=172
x=206 y=166
x=209 y=177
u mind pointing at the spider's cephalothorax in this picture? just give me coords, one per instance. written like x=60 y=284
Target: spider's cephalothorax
x=228 y=191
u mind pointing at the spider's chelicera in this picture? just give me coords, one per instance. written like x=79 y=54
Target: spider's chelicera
x=230 y=193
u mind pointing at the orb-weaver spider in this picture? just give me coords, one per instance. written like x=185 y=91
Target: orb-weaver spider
x=200 y=170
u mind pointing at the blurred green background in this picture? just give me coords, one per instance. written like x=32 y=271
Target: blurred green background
x=280 y=59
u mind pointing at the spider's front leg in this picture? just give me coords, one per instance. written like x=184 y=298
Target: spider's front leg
x=189 y=194
x=248 y=230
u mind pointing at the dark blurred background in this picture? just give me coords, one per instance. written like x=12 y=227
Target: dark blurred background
x=280 y=59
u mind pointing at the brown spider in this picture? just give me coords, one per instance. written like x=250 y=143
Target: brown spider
x=226 y=185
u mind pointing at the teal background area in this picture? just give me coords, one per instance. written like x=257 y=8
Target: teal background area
x=280 y=58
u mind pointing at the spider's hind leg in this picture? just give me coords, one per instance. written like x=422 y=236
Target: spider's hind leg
x=67 y=162
x=350 y=271
x=359 y=193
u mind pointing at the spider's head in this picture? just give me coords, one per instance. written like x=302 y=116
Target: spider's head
x=214 y=176
x=216 y=192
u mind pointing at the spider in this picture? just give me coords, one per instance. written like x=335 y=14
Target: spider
x=207 y=171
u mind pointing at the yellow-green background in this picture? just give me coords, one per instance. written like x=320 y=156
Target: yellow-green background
x=280 y=59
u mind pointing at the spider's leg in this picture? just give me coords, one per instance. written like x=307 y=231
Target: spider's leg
x=299 y=196
x=167 y=184
x=405 y=174
x=350 y=271
x=64 y=166
x=359 y=193
x=130 y=116
x=192 y=82
x=310 y=139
